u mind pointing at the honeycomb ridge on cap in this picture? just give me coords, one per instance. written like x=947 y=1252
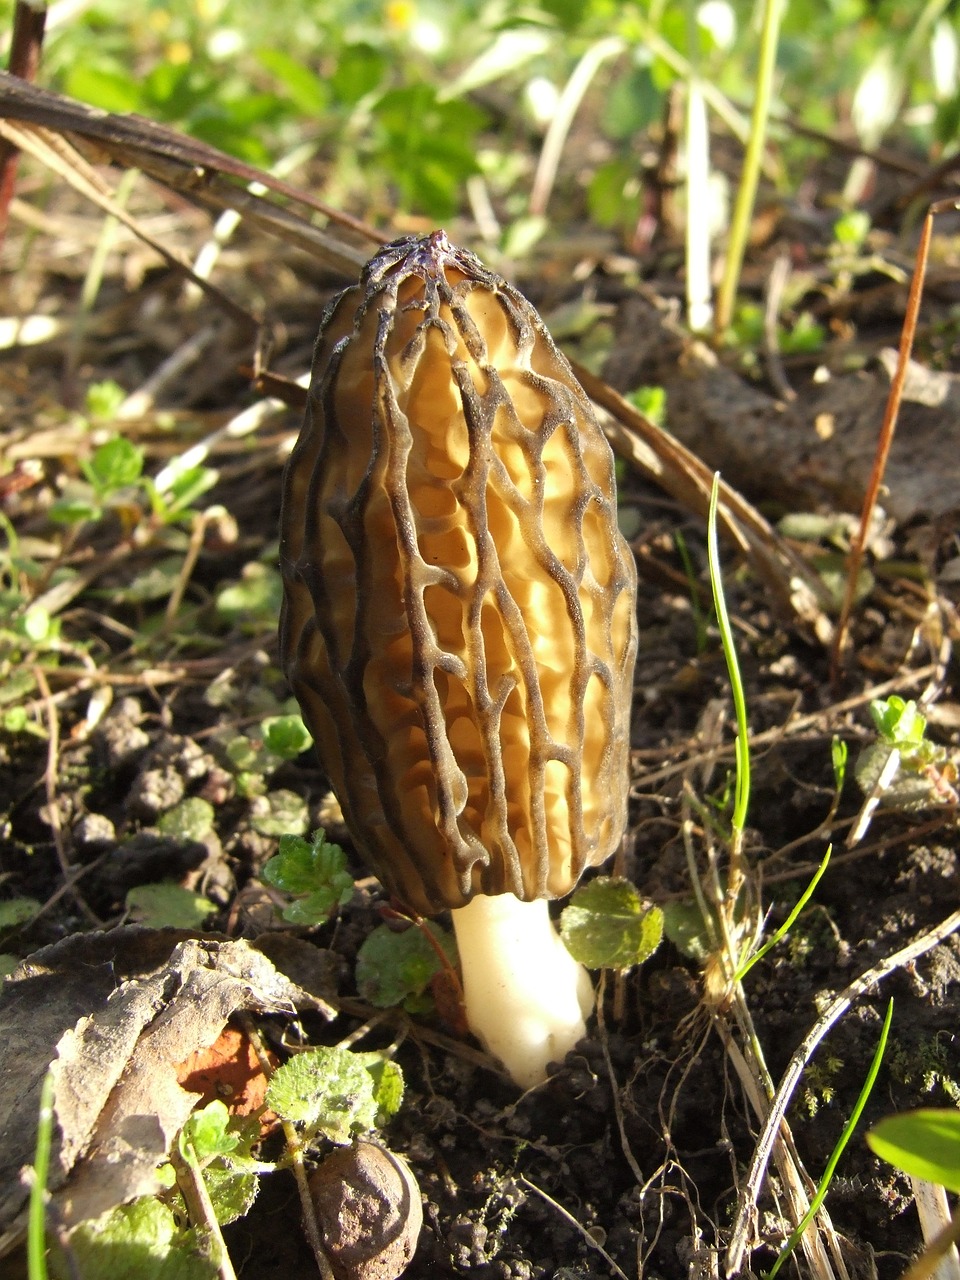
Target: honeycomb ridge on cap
x=459 y=615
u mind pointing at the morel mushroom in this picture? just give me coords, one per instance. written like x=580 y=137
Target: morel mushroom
x=459 y=622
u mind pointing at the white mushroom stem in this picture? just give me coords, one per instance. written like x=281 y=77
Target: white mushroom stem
x=525 y=996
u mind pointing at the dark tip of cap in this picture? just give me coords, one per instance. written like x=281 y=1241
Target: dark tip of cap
x=424 y=256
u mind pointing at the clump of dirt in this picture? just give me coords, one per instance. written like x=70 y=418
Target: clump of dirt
x=633 y=1152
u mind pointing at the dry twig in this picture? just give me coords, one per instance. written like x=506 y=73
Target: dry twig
x=919 y=946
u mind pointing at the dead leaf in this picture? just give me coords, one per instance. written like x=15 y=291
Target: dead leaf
x=229 y=1071
x=115 y=1014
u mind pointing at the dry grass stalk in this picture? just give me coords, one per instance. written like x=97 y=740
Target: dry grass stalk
x=209 y=178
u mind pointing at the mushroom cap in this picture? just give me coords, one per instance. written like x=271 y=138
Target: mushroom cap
x=459 y=616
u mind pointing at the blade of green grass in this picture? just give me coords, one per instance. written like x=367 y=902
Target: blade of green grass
x=747 y=191
x=36 y=1223
x=848 y=1128
x=742 y=799
x=788 y=923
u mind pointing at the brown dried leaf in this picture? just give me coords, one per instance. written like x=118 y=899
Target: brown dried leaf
x=116 y=1014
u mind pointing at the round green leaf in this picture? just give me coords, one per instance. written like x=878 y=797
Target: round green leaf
x=284 y=811
x=15 y=911
x=392 y=967
x=191 y=819
x=286 y=736
x=684 y=927
x=140 y=1239
x=326 y=1089
x=607 y=926
x=168 y=906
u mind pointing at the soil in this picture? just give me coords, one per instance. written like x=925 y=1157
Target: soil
x=629 y=1160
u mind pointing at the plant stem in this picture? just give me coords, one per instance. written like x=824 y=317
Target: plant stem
x=742 y=794
x=295 y=1151
x=203 y=1216
x=747 y=191
x=884 y=441
x=36 y=1223
x=838 y=1150
x=29 y=20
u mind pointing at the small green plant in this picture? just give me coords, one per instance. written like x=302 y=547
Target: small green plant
x=335 y=1094
x=899 y=724
x=904 y=767
x=316 y=872
x=286 y=736
x=16 y=911
x=819 y=1083
x=927 y=1065
x=36 y=1222
x=651 y=402
x=726 y=929
x=113 y=481
x=210 y=1181
x=788 y=924
x=848 y=1130
x=143 y=1239
x=29 y=636
x=253 y=758
x=742 y=786
x=219 y=1148
x=851 y=229
x=114 y=468
x=253 y=602
x=396 y=967
x=323 y=1095
x=804 y=336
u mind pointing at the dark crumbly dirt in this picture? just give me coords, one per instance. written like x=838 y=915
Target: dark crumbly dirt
x=634 y=1149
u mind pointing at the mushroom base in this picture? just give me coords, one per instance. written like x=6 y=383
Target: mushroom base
x=525 y=997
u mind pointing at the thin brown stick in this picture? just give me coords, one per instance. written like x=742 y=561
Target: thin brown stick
x=29 y=20
x=926 y=1265
x=295 y=1149
x=50 y=787
x=146 y=140
x=202 y=1213
x=197 y=530
x=578 y=1226
x=615 y=1085
x=58 y=155
x=883 y=443
x=920 y=945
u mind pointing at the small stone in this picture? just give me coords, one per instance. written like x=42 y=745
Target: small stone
x=153 y=792
x=94 y=829
x=368 y=1204
x=119 y=736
